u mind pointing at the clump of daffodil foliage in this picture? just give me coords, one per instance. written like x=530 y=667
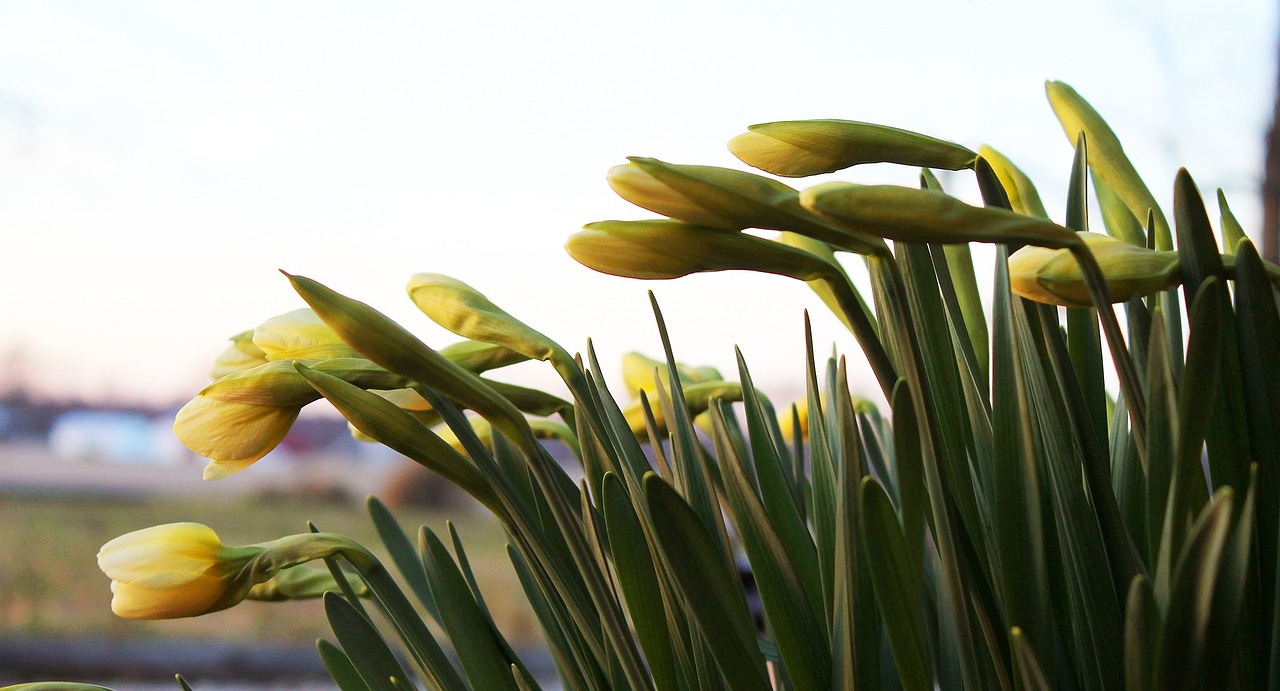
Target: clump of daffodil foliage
x=1008 y=522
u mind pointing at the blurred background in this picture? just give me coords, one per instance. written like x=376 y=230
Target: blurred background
x=160 y=161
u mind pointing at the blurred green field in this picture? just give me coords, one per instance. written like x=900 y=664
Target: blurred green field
x=50 y=585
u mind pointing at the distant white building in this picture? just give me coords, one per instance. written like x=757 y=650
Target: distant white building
x=126 y=438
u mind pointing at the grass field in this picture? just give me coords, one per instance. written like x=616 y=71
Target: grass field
x=50 y=584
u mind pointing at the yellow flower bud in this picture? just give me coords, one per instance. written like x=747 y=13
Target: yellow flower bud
x=171 y=571
x=242 y=354
x=243 y=416
x=1054 y=277
x=638 y=371
x=299 y=335
x=798 y=148
x=787 y=424
x=726 y=198
x=671 y=249
x=230 y=434
x=641 y=188
x=914 y=215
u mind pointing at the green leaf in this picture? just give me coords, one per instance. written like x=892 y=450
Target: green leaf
x=363 y=645
x=339 y=667
x=1198 y=255
x=1018 y=515
x=402 y=554
x=1232 y=232
x=1141 y=632
x=789 y=610
x=897 y=585
x=1181 y=660
x=634 y=564
x=1258 y=342
x=475 y=640
x=710 y=588
x=382 y=420
x=775 y=491
x=1029 y=670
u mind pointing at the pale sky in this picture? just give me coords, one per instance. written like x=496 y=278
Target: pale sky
x=159 y=161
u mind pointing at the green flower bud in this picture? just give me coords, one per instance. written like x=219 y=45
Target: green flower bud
x=671 y=249
x=1054 y=276
x=927 y=216
x=798 y=148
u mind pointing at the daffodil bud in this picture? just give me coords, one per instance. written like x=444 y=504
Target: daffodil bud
x=638 y=374
x=1022 y=193
x=240 y=418
x=465 y=311
x=171 y=571
x=725 y=198
x=542 y=429
x=231 y=435
x=1054 y=276
x=786 y=422
x=927 y=216
x=299 y=335
x=241 y=354
x=671 y=249
x=798 y=148
x=698 y=397
x=183 y=569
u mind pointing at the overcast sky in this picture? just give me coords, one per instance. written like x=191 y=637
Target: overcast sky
x=160 y=161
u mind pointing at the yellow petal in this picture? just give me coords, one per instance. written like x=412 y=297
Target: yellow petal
x=175 y=546
x=229 y=433
x=142 y=600
x=297 y=335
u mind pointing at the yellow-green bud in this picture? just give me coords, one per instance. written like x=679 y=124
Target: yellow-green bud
x=171 y=571
x=466 y=312
x=638 y=374
x=243 y=416
x=184 y=570
x=1054 y=276
x=798 y=148
x=927 y=216
x=1022 y=193
x=671 y=249
x=726 y=198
